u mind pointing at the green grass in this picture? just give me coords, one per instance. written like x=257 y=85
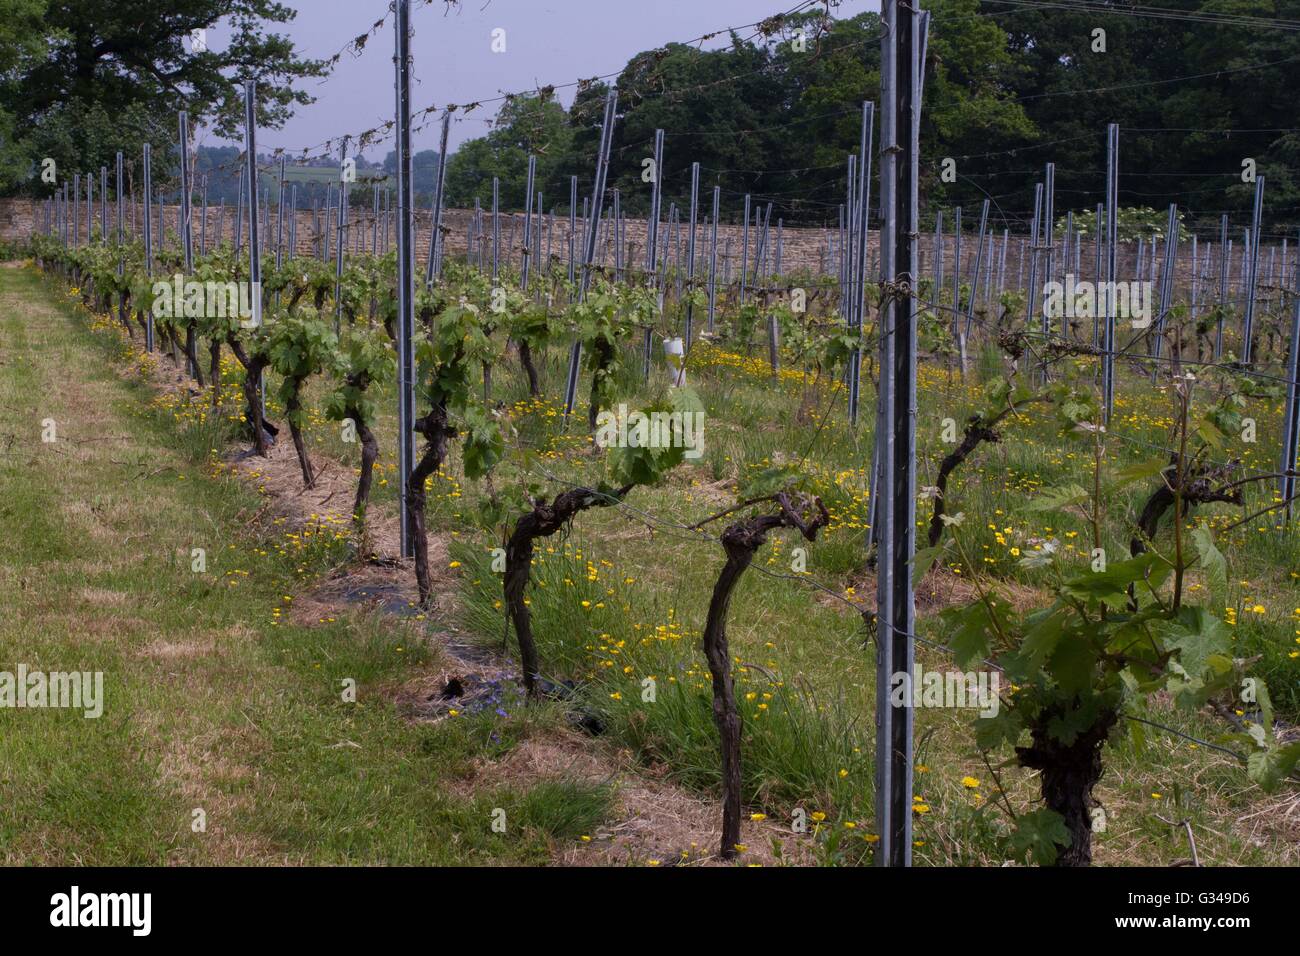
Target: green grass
x=800 y=653
x=213 y=700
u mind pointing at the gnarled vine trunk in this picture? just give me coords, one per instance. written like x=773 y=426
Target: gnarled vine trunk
x=124 y=313
x=1068 y=774
x=192 y=355
x=740 y=541
x=1199 y=482
x=214 y=370
x=604 y=354
x=292 y=407
x=253 y=367
x=526 y=360
x=369 y=455
x=543 y=521
x=437 y=433
x=976 y=432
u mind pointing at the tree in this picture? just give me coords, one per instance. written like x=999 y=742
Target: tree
x=774 y=116
x=1193 y=100
x=21 y=44
x=524 y=126
x=424 y=170
x=114 y=76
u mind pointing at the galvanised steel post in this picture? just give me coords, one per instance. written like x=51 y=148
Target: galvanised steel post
x=573 y=225
x=1066 y=250
x=652 y=250
x=1245 y=266
x=254 y=247
x=615 y=226
x=1225 y=249
x=1048 y=234
x=186 y=230
x=1287 y=485
x=861 y=220
x=279 y=222
x=713 y=256
x=147 y=212
x=744 y=251
x=405 y=272
x=988 y=268
x=1252 y=269
x=117 y=199
x=1098 y=228
x=528 y=224
x=344 y=192
x=327 y=218
x=496 y=228
x=674 y=242
x=1166 y=285
x=773 y=340
x=690 y=254
x=1153 y=259
x=582 y=224
x=1196 y=278
x=937 y=265
x=1284 y=259
x=592 y=232
x=1002 y=263
x=901 y=79
x=239 y=214
x=1032 y=292
x=474 y=242
x=434 y=266
x=203 y=222
x=592 y=225
x=1112 y=244
x=120 y=180
x=842 y=258
x=979 y=262
x=848 y=226
x=780 y=236
x=652 y=221
x=956 y=282
x=537 y=235
x=765 y=242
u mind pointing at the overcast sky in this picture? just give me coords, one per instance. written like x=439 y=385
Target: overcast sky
x=547 y=41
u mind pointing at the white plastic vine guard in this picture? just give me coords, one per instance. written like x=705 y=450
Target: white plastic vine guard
x=675 y=353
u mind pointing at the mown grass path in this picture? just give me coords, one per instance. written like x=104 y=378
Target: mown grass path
x=221 y=705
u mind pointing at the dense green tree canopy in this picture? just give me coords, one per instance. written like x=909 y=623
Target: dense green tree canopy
x=22 y=43
x=1008 y=88
x=525 y=125
x=109 y=76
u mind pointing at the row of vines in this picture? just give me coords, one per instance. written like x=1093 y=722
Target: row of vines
x=1117 y=629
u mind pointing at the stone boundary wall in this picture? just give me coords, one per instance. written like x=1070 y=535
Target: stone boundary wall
x=810 y=249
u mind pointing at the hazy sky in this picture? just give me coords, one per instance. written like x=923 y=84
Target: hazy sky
x=547 y=41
